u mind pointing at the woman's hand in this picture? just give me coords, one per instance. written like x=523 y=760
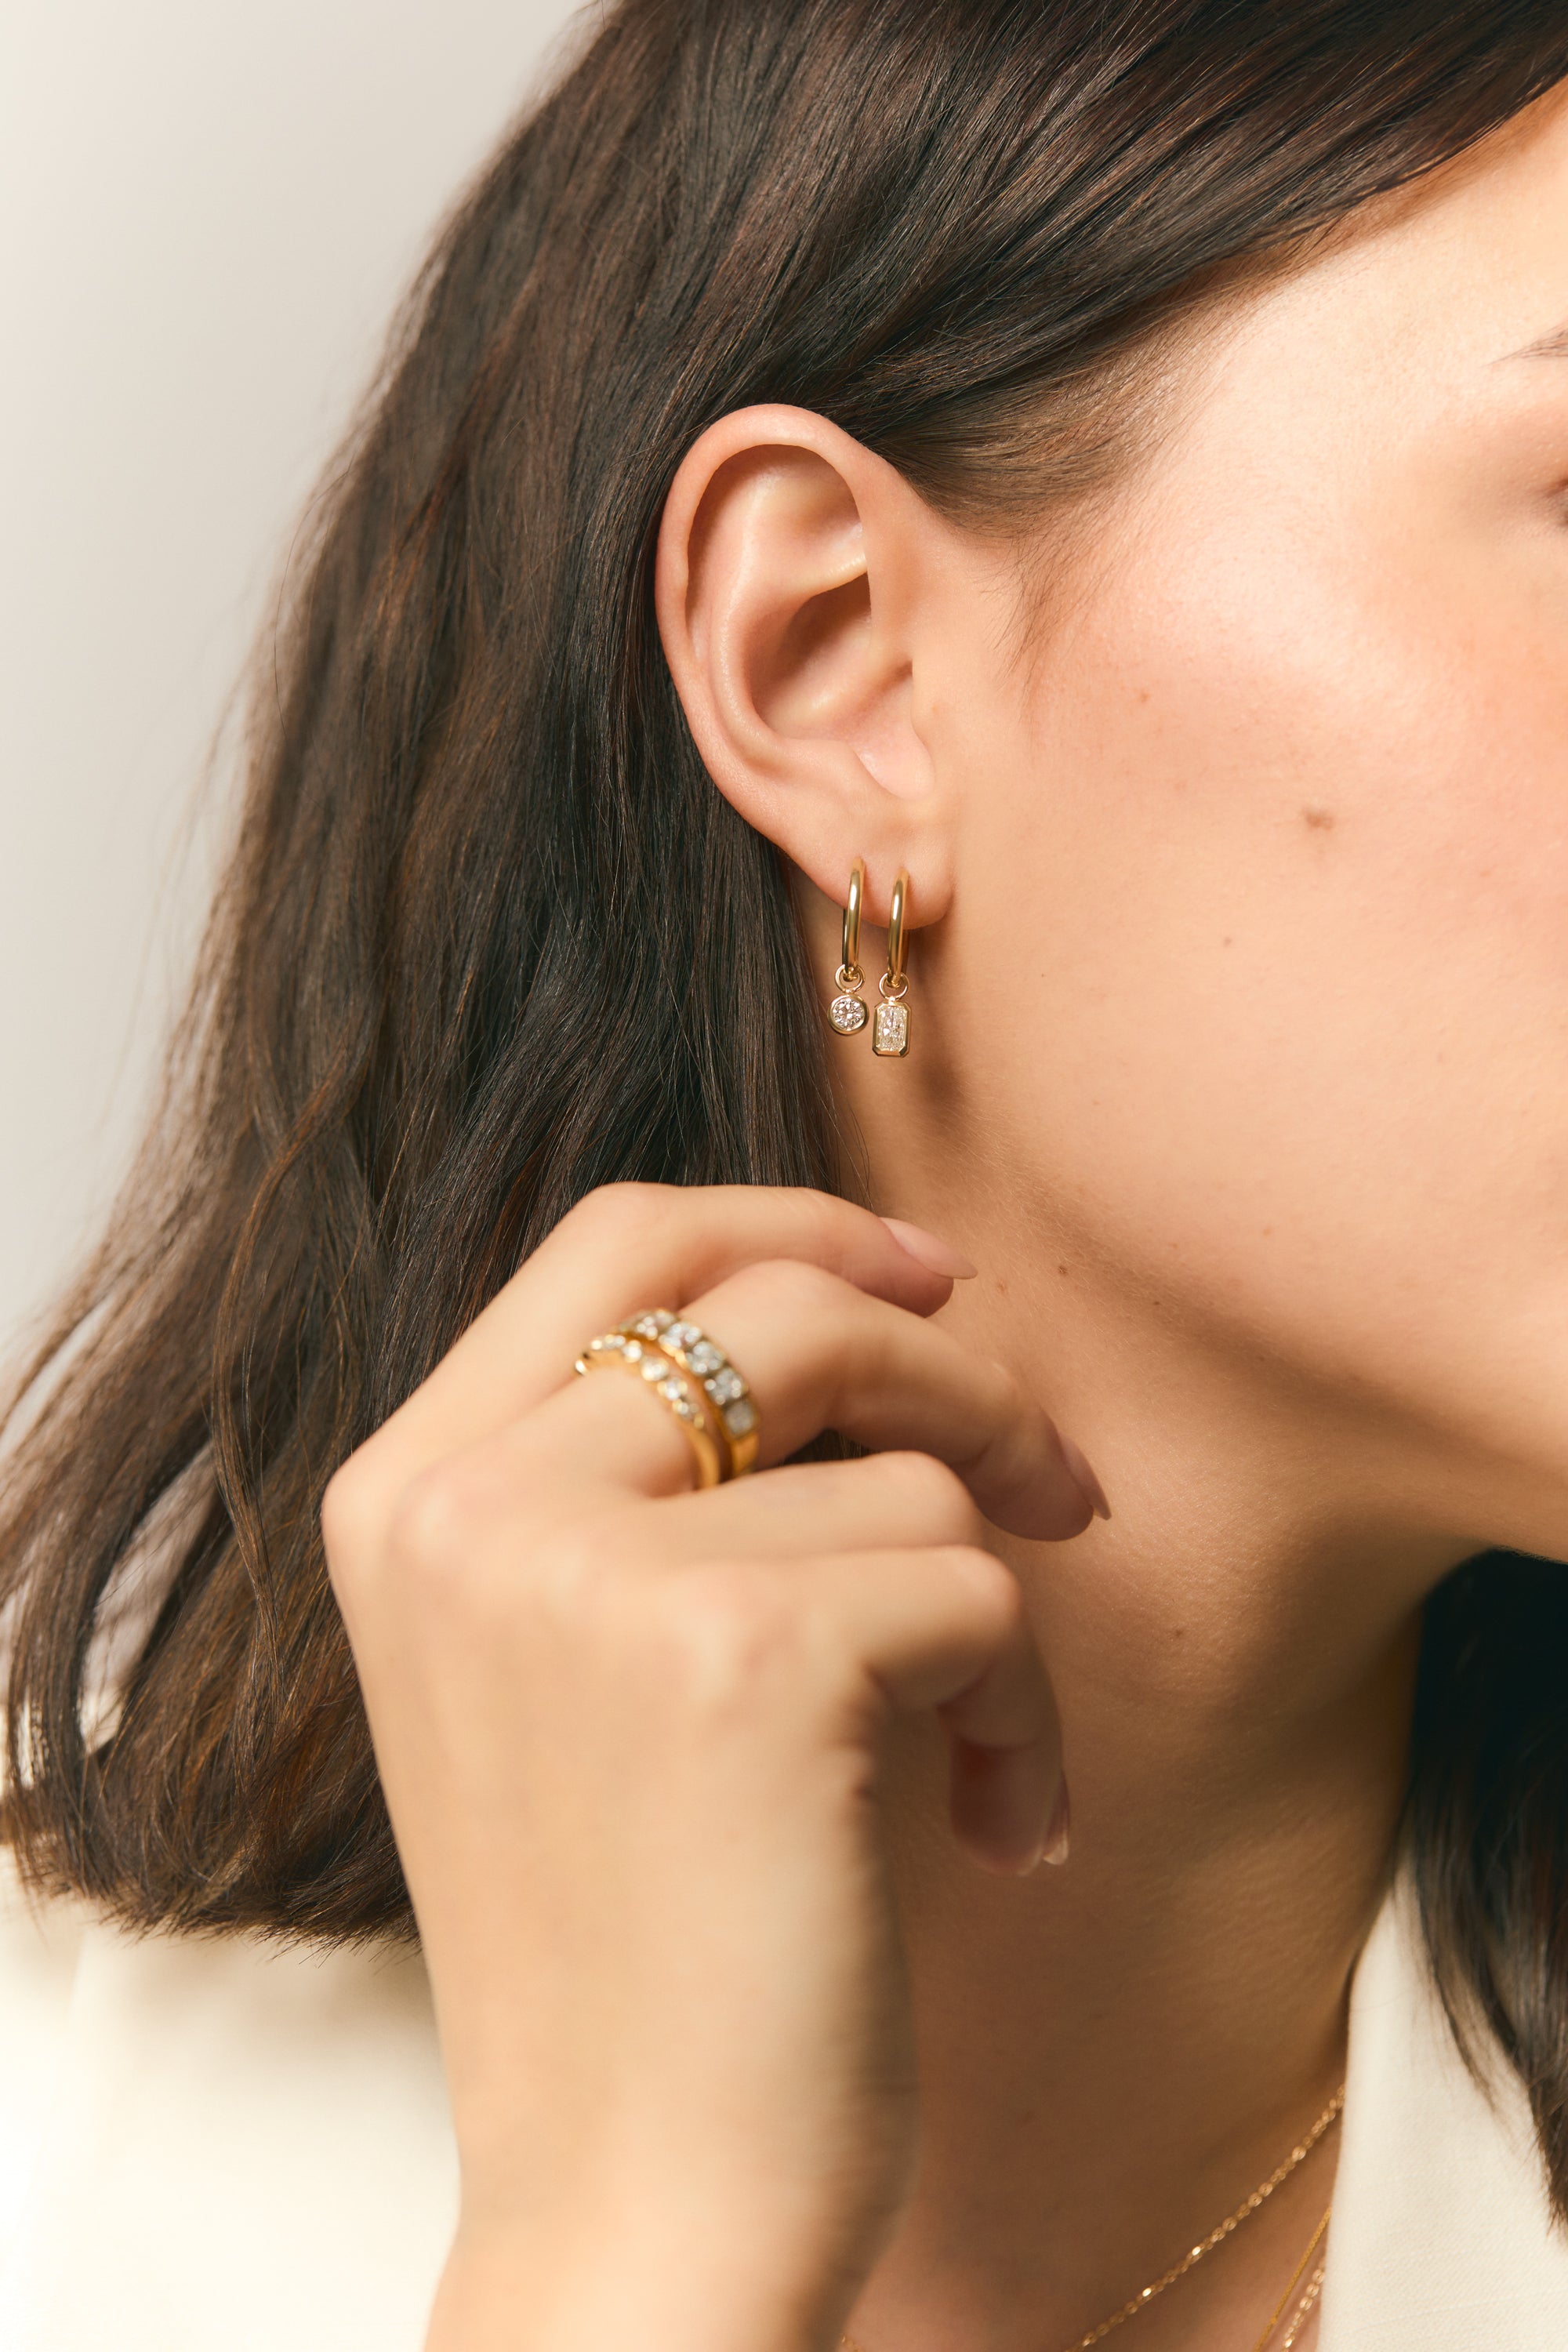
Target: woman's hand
x=629 y=1738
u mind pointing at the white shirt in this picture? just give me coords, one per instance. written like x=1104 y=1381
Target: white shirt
x=229 y=2147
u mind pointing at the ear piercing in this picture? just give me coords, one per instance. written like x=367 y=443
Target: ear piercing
x=849 y=1011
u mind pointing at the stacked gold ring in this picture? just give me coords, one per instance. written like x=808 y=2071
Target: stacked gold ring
x=692 y=1375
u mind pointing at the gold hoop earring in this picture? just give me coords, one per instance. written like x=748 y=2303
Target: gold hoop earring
x=848 y=1011
x=892 y=1033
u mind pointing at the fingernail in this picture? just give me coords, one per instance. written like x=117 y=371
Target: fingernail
x=1084 y=1477
x=1058 y=1832
x=936 y=1256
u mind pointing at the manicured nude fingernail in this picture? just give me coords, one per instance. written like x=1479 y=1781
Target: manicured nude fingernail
x=1059 y=1835
x=936 y=1256
x=1084 y=1477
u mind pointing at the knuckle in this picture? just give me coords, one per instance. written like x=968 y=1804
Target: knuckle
x=457 y=1543
x=988 y=1580
x=618 y=1216
x=729 y=1627
x=1012 y=1400
x=786 y=1286
x=1005 y=1385
x=353 y=1513
x=573 y=1570
x=943 y=1499
x=346 y=1510
x=827 y=1220
x=432 y=1522
x=457 y=1550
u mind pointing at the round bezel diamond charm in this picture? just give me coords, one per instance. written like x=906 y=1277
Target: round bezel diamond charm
x=847 y=1013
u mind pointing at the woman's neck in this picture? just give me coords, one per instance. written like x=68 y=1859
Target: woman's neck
x=1113 y=2054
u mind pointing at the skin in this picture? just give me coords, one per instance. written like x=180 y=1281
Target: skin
x=1235 y=820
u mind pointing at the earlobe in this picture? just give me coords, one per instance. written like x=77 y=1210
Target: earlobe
x=789 y=590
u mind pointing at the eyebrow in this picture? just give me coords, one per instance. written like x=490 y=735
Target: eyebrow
x=1553 y=346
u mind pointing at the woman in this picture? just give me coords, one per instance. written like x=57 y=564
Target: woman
x=1076 y=497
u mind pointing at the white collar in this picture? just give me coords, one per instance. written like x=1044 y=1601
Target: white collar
x=1441 y=2239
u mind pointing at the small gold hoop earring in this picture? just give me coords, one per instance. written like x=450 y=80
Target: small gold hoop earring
x=848 y=1012
x=892 y=1033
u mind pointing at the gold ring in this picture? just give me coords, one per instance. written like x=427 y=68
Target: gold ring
x=730 y=1400
x=626 y=1348
x=719 y=1414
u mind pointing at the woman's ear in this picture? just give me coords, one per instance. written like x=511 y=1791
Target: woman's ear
x=795 y=586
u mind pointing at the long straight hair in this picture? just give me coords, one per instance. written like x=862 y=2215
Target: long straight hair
x=489 y=936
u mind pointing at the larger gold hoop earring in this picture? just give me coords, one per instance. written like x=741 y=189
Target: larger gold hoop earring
x=849 y=1011
x=892 y=1033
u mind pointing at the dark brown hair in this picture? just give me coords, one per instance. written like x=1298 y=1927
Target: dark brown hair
x=489 y=936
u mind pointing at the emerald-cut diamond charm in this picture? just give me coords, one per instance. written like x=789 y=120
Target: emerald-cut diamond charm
x=891 y=1035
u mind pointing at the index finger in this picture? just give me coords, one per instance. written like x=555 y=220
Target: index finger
x=623 y=1248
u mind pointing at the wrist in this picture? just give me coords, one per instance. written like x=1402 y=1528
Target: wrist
x=599 y=2290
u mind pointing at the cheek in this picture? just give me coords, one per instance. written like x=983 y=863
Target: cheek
x=1285 y=856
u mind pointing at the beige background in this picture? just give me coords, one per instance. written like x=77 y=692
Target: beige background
x=206 y=213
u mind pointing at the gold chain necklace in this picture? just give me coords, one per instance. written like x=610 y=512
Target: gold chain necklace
x=1303 y=2312
x=1217 y=2237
